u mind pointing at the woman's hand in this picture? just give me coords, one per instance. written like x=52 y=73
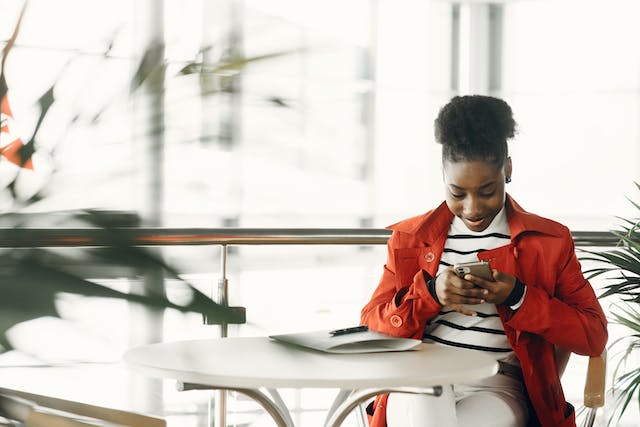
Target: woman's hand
x=453 y=291
x=496 y=291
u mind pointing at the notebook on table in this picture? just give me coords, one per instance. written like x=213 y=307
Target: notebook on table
x=348 y=340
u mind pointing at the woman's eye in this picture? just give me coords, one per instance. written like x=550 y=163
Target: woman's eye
x=457 y=196
x=487 y=195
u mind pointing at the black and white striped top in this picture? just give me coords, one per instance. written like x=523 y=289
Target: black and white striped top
x=483 y=332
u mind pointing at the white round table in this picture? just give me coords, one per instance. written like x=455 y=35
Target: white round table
x=248 y=364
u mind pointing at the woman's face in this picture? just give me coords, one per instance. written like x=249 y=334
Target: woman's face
x=475 y=190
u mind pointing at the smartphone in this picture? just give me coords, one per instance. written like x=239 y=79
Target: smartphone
x=477 y=268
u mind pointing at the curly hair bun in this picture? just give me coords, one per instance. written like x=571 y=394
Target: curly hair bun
x=475 y=127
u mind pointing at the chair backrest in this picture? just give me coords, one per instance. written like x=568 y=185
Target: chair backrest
x=34 y=410
x=594 y=385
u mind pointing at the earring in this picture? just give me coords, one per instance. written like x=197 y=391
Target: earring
x=508 y=180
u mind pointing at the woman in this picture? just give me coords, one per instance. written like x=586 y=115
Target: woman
x=538 y=300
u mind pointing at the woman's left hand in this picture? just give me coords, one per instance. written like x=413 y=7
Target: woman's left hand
x=498 y=290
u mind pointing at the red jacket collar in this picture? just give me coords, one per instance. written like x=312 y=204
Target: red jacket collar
x=429 y=226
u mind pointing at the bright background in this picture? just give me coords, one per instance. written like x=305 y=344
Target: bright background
x=333 y=131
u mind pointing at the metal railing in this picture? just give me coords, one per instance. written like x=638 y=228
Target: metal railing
x=138 y=236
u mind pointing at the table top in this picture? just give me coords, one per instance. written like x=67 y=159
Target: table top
x=252 y=362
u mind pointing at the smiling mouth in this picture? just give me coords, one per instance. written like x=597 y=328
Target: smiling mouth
x=474 y=222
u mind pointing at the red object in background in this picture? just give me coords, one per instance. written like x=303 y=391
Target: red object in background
x=11 y=151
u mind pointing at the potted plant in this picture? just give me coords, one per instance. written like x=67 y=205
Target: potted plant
x=621 y=267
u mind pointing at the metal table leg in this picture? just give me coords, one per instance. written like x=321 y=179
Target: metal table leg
x=349 y=400
x=274 y=405
x=342 y=395
x=277 y=399
x=342 y=405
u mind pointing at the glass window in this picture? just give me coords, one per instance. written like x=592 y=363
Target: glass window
x=571 y=72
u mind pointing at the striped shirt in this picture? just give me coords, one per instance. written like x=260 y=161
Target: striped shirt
x=483 y=332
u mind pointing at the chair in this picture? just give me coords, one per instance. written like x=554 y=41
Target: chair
x=594 y=386
x=33 y=410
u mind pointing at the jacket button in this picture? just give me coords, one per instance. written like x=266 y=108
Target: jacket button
x=396 y=321
x=429 y=257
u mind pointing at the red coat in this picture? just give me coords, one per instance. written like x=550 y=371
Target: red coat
x=559 y=307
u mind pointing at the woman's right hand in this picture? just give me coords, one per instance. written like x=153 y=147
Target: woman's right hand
x=453 y=291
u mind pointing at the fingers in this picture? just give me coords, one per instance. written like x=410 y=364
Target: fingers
x=452 y=289
x=455 y=295
x=499 y=276
x=496 y=290
x=479 y=281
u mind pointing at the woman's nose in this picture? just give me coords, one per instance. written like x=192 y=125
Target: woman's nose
x=473 y=208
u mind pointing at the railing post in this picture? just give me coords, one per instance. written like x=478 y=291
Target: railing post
x=223 y=288
x=223 y=300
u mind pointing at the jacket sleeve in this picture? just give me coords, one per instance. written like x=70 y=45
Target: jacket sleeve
x=399 y=309
x=572 y=317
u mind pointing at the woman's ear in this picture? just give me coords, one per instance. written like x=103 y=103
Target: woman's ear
x=508 y=168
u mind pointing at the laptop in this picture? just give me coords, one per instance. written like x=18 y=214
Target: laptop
x=358 y=339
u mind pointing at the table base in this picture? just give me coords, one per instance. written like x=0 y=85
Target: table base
x=343 y=404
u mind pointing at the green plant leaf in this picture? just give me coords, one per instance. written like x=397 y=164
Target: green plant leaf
x=629 y=382
x=14 y=35
x=629 y=317
x=44 y=274
x=233 y=64
x=631 y=242
x=150 y=67
x=634 y=203
x=622 y=267
x=31 y=273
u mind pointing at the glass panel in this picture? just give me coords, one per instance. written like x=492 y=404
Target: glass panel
x=574 y=88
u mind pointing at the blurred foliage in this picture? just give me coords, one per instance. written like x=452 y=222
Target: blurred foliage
x=621 y=266
x=32 y=278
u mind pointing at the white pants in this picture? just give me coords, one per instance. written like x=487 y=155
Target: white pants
x=497 y=401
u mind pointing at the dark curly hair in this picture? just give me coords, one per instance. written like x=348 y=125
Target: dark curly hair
x=475 y=127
